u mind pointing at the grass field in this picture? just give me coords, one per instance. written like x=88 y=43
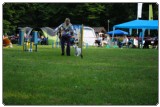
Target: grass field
x=102 y=77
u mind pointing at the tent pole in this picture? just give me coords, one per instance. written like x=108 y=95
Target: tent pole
x=113 y=33
x=143 y=32
x=149 y=32
x=140 y=36
x=130 y=31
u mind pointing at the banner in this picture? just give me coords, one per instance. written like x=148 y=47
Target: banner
x=139 y=10
x=150 y=12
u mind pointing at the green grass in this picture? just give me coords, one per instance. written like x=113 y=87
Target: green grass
x=102 y=77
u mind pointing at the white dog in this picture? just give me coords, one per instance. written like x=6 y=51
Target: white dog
x=77 y=50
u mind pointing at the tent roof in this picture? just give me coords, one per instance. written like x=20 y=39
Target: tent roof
x=99 y=29
x=118 y=32
x=139 y=24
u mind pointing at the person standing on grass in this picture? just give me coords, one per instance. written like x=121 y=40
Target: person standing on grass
x=65 y=33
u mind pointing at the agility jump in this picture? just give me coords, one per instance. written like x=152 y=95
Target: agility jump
x=29 y=43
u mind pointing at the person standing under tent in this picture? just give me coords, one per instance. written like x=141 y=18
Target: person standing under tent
x=66 y=32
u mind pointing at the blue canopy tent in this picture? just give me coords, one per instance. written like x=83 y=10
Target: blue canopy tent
x=118 y=32
x=138 y=24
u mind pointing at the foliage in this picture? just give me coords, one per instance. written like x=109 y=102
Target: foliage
x=53 y=14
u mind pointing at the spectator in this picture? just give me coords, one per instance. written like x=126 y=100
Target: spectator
x=124 y=42
x=99 y=40
x=6 y=42
x=106 y=40
x=135 y=42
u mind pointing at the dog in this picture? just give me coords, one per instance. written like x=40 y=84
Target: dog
x=77 y=50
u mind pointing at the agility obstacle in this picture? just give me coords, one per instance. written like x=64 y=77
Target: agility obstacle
x=29 y=43
x=81 y=40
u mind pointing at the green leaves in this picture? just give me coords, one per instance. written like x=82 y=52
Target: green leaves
x=53 y=14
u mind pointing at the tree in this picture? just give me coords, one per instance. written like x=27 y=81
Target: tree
x=53 y=14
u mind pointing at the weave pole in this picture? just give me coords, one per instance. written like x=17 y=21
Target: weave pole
x=81 y=41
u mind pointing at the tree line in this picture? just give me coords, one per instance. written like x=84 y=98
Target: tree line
x=53 y=14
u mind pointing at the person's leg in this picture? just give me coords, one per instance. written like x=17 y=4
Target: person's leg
x=120 y=44
x=68 y=45
x=62 y=44
x=98 y=43
x=102 y=43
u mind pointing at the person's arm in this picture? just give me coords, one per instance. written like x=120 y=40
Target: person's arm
x=72 y=34
x=58 y=28
x=71 y=30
